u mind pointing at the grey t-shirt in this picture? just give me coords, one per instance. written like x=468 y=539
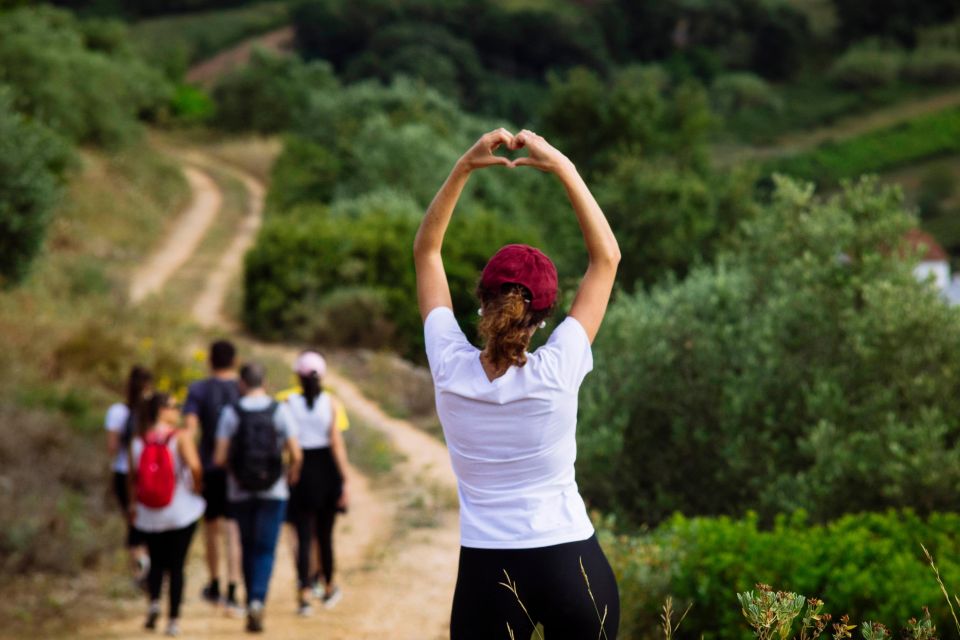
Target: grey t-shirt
x=227 y=428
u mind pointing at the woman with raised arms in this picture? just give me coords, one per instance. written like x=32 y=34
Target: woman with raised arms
x=509 y=417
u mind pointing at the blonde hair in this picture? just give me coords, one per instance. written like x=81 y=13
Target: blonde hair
x=506 y=323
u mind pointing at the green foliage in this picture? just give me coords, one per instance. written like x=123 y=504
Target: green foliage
x=270 y=93
x=32 y=163
x=734 y=92
x=86 y=87
x=918 y=139
x=867 y=566
x=306 y=259
x=933 y=66
x=191 y=105
x=867 y=67
x=806 y=369
x=896 y=19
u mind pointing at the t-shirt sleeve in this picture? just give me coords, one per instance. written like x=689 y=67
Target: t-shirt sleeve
x=286 y=425
x=116 y=419
x=441 y=333
x=568 y=355
x=227 y=424
x=194 y=395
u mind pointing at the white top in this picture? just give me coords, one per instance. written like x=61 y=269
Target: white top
x=512 y=441
x=313 y=425
x=186 y=506
x=227 y=428
x=116 y=422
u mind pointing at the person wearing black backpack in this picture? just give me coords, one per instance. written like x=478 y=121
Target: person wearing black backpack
x=120 y=425
x=253 y=435
x=205 y=400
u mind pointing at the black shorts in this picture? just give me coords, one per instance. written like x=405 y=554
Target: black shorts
x=215 y=493
x=135 y=537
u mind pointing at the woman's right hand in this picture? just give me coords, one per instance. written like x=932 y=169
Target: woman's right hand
x=540 y=153
x=480 y=155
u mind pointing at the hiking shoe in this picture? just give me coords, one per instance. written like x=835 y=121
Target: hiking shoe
x=211 y=594
x=234 y=608
x=331 y=599
x=255 y=617
x=304 y=610
x=152 y=614
x=173 y=629
x=318 y=590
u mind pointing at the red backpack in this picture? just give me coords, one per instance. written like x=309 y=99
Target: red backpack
x=156 y=476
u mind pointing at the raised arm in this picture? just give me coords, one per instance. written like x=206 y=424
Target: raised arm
x=432 y=288
x=590 y=304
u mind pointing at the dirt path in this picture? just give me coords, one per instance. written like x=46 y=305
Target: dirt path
x=800 y=141
x=188 y=230
x=205 y=73
x=396 y=549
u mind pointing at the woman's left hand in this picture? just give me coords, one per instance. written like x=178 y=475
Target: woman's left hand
x=480 y=155
x=344 y=501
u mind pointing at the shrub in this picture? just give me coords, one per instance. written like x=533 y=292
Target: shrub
x=733 y=92
x=806 y=369
x=869 y=566
x=270 y=93
x=32 y=163
x=85 y=94
x=353 y=317
x=933 y=66
x=191 y=105
x=867 y=68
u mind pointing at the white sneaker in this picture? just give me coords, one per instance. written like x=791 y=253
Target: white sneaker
x=173 y=629
x=331 y=599
x=304 y=610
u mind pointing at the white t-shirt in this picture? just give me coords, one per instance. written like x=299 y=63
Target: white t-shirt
x=116 y=422
x=186 y=506
x=512 y=441
x=313 y=425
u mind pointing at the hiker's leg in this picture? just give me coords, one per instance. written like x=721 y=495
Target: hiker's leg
x=267 y=521
x=211 y=537
x=243 y=514
x=303 y=525
x=155 y=575
x=179 y=545
x=232 y=533
x=482 y=608
x=325 y=520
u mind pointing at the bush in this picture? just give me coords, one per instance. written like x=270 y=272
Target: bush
x=191 y=105
x=923 y=137
x=933 y=66
x=869 y=566
x=32 y=164
x=270 y=93
x=867 y=68
x=352 y=317
x=312 y=260
x=733 y=92
x=806 y=369
x=85 y=94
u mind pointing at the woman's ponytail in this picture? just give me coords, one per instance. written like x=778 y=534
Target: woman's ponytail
x=506 y=325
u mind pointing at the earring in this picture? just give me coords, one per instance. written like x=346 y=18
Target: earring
x=480 y=312
x=543 y=324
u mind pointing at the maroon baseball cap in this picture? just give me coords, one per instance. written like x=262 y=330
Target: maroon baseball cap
x=524 y=265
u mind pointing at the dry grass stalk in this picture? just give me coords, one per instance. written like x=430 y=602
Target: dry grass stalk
x=512 y=588
x=603 y=618
x=943 y=588
x=669 y=629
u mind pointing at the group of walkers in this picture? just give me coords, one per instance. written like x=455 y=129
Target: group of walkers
x=242 y=462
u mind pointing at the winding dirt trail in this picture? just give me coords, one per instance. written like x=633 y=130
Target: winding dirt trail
x=396 y=549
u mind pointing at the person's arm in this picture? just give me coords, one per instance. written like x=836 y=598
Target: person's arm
x=432 y=288
x=191 y=425
x=191 y=458
x=296 y=459
x=590 y=304
x=339 y=448
x=113 y=444
x=225 y=427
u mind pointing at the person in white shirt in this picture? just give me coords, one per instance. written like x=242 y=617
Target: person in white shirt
x=509 y=416
x=121 y=428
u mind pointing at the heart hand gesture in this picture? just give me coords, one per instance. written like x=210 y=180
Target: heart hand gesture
x=480 y=155
x=540 y=153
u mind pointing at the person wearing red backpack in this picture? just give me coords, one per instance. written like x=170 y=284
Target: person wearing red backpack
x=253 y=436
x=165 y=480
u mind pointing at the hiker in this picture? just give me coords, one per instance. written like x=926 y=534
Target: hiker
x=119 y=423
x=205 y=400
x=252 y=436
x=165 y=478
x=322 y=490
x=509 y=417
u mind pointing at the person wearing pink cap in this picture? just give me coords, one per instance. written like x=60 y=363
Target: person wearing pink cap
x=322 y=490
x=509 y=417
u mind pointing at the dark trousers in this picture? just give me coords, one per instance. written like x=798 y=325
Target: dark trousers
x=550 y=585
x=310 y=522
x=259 y=522
x=168 y=553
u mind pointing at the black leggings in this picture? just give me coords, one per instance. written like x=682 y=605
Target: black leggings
x=168 y=553
x=550 y=584
x=307 y=523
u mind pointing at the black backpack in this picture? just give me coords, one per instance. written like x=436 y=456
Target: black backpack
x=256 y=449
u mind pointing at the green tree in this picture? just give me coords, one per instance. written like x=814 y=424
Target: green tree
x=805 y=369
